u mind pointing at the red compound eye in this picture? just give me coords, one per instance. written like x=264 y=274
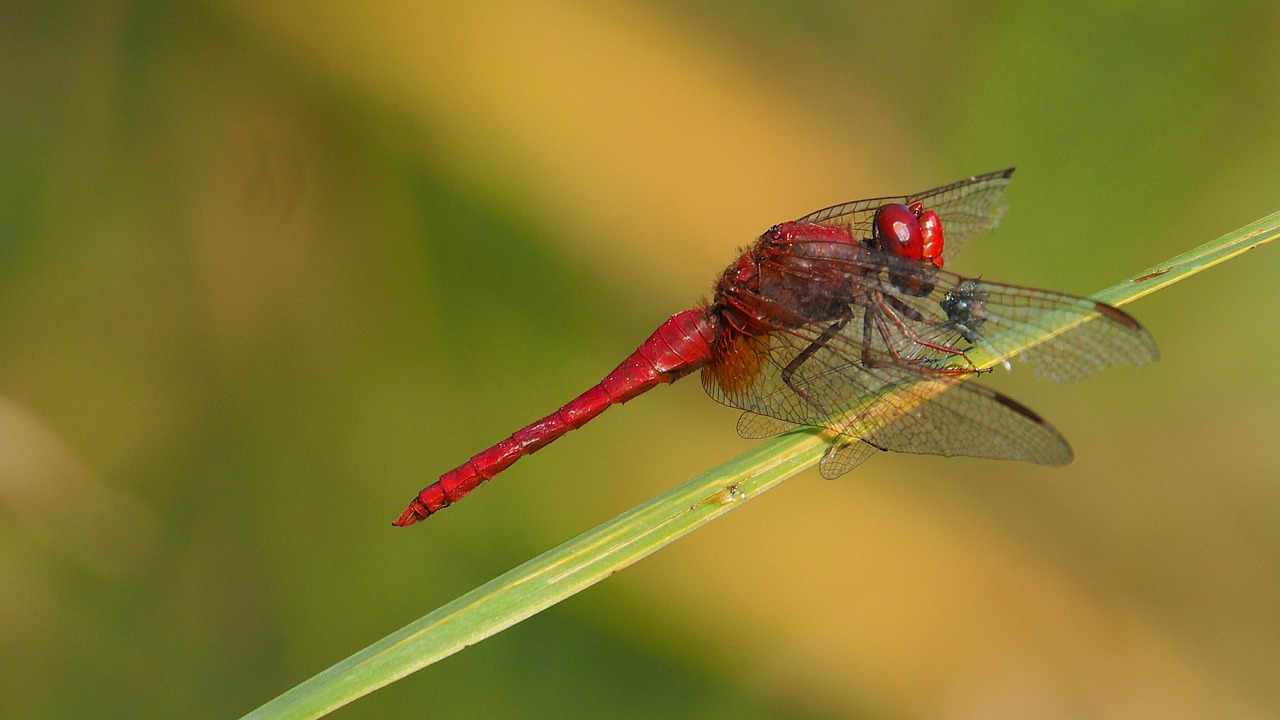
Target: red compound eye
x=930 y=234
x=897 y=230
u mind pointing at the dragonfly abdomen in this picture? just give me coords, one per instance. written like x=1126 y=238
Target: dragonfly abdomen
x=679 y=346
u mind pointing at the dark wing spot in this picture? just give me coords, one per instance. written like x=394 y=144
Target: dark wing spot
x=1019 y=408
x=1117 y=315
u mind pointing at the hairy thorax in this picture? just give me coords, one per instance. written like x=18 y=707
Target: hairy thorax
x=795 y=273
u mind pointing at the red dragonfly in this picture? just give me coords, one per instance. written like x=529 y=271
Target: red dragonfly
x=845 y=320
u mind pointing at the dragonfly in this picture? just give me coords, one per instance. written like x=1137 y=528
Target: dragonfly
x=846 y=321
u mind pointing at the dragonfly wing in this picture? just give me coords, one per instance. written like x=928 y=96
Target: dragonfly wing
x=887 y=369
x=873 y=402
x=1062 y=337
x=829 y=376
x=935 y=416
x=754 y=426
x=843 y=455
x=966 y=208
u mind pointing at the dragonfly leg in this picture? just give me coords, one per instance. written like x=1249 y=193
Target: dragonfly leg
x=873 y=323
x=895 y=310
x=870 y=326
x=788 y=373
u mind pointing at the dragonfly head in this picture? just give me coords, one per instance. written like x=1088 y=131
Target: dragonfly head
x=909 y=232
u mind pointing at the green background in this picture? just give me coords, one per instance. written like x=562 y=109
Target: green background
x=268 y=269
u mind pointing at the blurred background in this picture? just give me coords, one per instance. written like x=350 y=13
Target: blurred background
x=267 y=269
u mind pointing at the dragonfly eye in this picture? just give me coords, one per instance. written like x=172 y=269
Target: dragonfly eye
x=897 y=230
x=931 y=235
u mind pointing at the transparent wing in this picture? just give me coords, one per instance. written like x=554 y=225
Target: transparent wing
x=966 y=207
x=905 y=407
x=843 y=455
x=944 y=416
x=1004 y=320
x=1062 y=337
x=753 y=426
x=885 y=373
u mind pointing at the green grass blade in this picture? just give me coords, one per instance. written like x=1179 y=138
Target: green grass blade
x=606 y=549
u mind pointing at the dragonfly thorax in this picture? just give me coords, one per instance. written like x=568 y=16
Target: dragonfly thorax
x=795 y=273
